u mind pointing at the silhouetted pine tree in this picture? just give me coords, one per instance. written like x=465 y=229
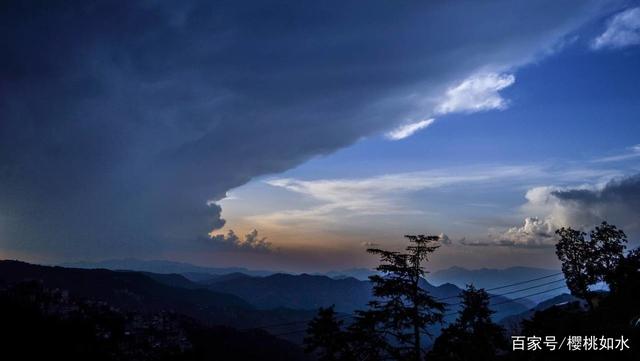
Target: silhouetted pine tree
x=397 y=319
x=473 y=336
x=403 y=309
x=366 y=339
x=326 y=338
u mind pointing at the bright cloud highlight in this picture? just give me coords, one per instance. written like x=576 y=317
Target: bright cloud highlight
x=407 y=130
x=477 y=93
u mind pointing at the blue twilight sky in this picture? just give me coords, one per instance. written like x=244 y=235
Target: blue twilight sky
x=570 y=120
x=292 y=135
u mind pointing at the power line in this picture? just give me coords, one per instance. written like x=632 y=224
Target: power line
x=529 y=295
x=513 y=299
x=523 y=282
x=277 y=325
x=514 y=291
x=447 y=314
x=455 y=304
x=528 y=288
x=508 y=285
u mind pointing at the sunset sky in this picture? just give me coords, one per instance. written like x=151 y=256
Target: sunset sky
x=162 y=130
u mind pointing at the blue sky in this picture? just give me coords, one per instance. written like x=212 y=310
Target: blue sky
x=174 y=130
x=570 y=120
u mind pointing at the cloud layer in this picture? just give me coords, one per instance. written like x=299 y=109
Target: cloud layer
x=617 y=202
x=623 y=30
x=380 y=195
x=121 y=119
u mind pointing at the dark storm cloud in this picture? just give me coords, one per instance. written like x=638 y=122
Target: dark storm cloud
x=618 y=202
x=120 y=119
x=621 y=191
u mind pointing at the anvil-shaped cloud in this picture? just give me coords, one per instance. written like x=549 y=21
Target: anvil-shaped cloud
x=120 y=119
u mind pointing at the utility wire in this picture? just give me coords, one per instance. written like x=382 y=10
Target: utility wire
x=506 y=286
x=523 y=282
x=445 y=315
x=514 y=291
x=529 y=295
x=277 y=325
x=515 y=299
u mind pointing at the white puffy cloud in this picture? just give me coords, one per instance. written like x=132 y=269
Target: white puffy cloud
x=477 y=93
x=623 y=30
x=444 y=239
x=534 y=232
x=251 y=242
x=616 y=201
x=407 y=130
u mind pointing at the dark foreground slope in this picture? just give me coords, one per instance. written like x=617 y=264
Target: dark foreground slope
x=40 y=323
x=140 y=292
x=81 y=311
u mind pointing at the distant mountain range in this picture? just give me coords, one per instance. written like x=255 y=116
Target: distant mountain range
x=267 y=289
x=163 y=266
x=361 y=274
x=459 y=276
x=347 y=294
x=296 y=291
x=201 y=273
x=512 y=323
x=235 y=299
x=145 y=292
x=490 y=278
x=280 y=304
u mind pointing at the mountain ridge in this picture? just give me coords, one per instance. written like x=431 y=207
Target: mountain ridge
x=162 y=266
x=140 y=292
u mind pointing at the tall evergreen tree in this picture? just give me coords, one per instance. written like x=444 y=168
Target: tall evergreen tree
x=403 y=308
x=367 y=340
x=473 y=336
x=325 y=337
x=397 y=319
